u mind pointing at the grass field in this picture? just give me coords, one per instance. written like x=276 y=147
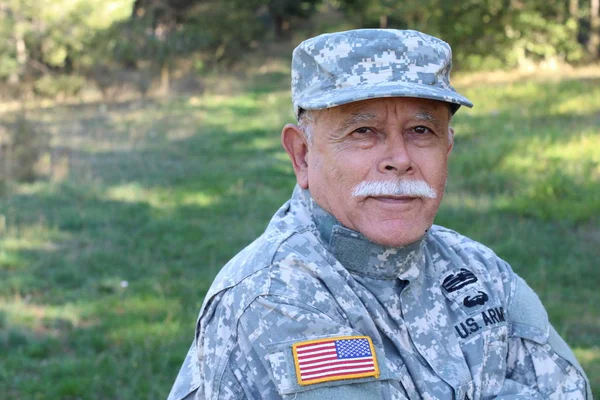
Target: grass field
x=103 y=265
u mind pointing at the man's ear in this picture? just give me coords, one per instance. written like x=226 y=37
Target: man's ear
x=294 y=143
x=450 y=140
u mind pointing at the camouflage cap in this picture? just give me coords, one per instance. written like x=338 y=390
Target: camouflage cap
x=338 y=68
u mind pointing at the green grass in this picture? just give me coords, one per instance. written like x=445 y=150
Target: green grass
x=102 y=273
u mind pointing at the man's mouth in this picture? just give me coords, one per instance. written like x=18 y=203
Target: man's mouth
x=394 y=199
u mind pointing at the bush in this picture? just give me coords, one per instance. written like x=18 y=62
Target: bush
x=22 y=144
x=59 y=86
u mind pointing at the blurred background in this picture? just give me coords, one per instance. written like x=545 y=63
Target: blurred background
x=139 y=151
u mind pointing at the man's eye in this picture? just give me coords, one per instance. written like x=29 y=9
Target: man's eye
x=421 y=130
x=363 y=130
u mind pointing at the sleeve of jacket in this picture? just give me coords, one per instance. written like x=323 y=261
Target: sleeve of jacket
x=540 y=365
x=263 y=359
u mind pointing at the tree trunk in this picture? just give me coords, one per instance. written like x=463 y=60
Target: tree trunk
x=15 y=78
x=574 y=9
x=164 y=79
x=594 y=42
x=137 y=11
x=278 y=22
x=383 y=21
x=20 y=47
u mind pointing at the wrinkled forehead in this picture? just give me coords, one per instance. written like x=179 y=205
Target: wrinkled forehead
x=384 y=108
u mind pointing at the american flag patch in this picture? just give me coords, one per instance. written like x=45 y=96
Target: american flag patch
x=333 y=359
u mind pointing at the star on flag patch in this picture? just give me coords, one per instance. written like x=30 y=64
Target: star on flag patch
x=332 y=359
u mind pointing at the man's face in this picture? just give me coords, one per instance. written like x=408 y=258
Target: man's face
x=379 y=140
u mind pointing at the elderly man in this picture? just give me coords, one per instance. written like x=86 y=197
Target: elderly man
x=351 y=293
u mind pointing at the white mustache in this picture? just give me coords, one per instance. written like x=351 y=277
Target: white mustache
x=416 y=188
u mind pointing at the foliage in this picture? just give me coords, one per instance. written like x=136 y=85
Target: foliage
x=535 y=36
x=282 y=11
x=42 y=36
x=59 y=86
x=219 y=30
x=484 y=34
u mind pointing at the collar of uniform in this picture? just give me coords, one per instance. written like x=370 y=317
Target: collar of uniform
x=358 y=254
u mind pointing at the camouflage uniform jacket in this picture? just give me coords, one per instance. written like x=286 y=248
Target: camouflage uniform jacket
x=447 y=318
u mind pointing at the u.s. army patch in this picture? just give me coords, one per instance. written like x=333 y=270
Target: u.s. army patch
x=332 y=359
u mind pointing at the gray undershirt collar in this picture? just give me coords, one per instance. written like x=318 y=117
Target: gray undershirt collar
x=359 y=255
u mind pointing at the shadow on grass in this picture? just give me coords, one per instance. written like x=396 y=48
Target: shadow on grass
x=147 y=229
x=136 y=279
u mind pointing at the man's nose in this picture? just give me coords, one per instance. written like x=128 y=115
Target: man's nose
x=396 y=158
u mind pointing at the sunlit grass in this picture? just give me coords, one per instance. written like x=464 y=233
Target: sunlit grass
x=40 y=319
x=589 y=358
x=583 y=104
x=581 y=149
x=480 y=203
x=158 y=197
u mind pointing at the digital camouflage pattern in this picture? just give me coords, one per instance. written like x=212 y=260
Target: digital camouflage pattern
x=447 y=317
x=343 y=67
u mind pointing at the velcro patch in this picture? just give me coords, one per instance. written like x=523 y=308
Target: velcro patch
x=332 y=359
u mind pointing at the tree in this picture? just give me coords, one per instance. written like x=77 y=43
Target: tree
x=574 y=9
x=594 y=40
x=51 y=36
x=483 y=33
x=282 y=11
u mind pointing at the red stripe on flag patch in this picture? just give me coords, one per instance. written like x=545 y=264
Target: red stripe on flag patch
x=331 y=359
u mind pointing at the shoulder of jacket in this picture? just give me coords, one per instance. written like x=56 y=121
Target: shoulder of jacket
x=527 y=316
x=451 y=239
x=250 y=262
x=249 y=274
x=460 y=251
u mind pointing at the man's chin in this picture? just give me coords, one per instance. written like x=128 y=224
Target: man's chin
x=394 y=238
